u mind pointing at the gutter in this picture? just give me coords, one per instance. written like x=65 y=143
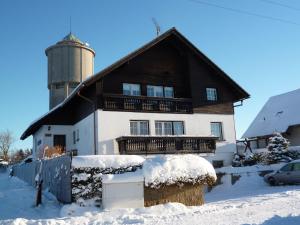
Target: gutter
x=94 y=115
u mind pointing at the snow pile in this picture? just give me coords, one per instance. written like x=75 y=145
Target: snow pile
x=249 y=201
x=107 y=161
x=4 y=163
x=172 y=169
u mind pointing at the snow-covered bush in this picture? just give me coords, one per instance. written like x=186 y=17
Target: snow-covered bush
x=248 y=159
x=277 y=149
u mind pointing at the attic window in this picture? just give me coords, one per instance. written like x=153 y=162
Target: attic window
x=131 y=89
x=211 y=94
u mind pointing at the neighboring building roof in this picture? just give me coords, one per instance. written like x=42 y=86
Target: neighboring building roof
x=278 y=114
x=241 y=93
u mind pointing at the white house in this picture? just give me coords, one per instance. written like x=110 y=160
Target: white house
x=279 y=114
x=164 y=98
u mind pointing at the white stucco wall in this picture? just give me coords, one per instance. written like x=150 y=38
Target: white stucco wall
x=112 y=125
x=42 y=136
x=85 y=144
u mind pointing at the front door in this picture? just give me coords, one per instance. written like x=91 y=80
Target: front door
x=59 y=141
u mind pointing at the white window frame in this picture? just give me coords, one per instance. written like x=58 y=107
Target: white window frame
x=211 y=94
x=156 y=90
x=168 y=87
x=221 y=137
x=139 y=127
x=160 y=131
x=159 y=89
x=134 y=89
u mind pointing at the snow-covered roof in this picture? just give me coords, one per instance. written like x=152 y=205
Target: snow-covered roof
x=107 y=161
x=170 y=169
x=278 y=114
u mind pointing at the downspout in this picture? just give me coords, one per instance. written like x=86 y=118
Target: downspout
x=94 y=114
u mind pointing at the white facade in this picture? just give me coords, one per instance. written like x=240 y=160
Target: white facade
x=44 y=137
x=113 y=124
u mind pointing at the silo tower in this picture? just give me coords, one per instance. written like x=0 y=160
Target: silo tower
x=70 y=61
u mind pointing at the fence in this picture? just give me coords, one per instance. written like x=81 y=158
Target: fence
x=56 y=175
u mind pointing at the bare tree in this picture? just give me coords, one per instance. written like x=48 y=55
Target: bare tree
x=6 y=140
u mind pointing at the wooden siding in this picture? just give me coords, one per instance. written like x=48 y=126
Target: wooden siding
x=162 y=65
x=202 y=77
x=170 y=63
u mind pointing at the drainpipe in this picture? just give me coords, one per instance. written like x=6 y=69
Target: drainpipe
x=94 y=114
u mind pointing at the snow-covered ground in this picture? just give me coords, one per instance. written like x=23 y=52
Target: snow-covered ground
x=249 y=201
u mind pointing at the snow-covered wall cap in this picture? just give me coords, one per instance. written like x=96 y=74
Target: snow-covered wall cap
x=170 y=169
x=107 y=161
x=131 y=177
x=278 y=114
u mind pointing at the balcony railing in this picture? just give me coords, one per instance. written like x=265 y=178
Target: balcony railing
x=165 y=145
x=147 y=104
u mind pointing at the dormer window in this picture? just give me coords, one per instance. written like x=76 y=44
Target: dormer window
x=131 y=89
x=211 y=94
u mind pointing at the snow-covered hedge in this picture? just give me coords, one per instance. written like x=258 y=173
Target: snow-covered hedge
x=87 y=173
x=107 y=161
x=176 y=169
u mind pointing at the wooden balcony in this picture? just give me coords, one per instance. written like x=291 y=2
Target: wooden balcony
x=146 y=104
x=144 y=145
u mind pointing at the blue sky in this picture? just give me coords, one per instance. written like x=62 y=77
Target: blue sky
x=261 y=55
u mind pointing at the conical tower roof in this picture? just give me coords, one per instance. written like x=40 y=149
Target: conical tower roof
x=71 y=37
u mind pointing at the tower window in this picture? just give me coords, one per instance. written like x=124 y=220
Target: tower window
x=59 y=86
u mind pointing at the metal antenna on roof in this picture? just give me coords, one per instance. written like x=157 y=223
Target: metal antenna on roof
x=70 y=24
x=157 y=27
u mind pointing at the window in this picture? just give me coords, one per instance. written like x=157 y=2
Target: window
x=59 y=85
x=74 y=137
x=288 y=167
x=216 y=130
x=73 y=85
x=139 y=127
x=296 y=166
x=160 y=91
x=131 y=89
x=178 y=128
x=77 y=135
x=169 y=92
x=155 y=91
x=218 y=163
x=211 y=94
x=169 y=128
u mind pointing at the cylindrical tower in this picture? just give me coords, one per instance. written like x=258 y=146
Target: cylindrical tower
x=70 y=62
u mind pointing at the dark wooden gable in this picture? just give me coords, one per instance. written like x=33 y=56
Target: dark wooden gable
x=172 y=62
x=162 y=65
